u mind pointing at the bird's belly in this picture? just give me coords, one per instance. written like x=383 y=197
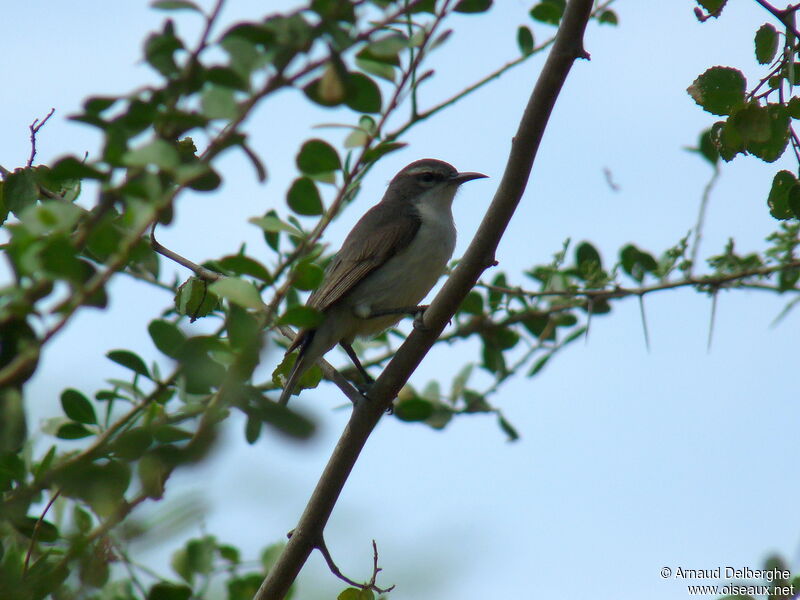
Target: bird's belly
x=406 y=278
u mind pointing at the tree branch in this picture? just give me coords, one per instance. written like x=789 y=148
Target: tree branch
x=34 y=129
x=480 y=254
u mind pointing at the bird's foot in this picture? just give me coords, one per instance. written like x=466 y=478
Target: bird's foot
x=419 y=317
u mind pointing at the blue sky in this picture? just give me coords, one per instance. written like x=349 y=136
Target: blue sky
x=629 y=460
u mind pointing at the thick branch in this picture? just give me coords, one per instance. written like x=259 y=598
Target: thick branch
x=480 y=254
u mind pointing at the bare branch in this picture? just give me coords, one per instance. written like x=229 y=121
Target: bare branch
x=34 y=129
x=370 y=585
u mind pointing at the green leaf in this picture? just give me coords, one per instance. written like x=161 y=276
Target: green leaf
x=226 y=77
x=473 y=6
x=776 y=135
x=587 y=257
x=330 y=89
x=167 y=337
x=719 y=90
x=219 y=103
x=713 y=7
x=363 y=94
x=194 y=299
x=169 y=591
x=71 y=168
x=159 y=49
x=382 y=149
x=376 y=68
x=72 y=431
x=727 y=140
x=752 y=122
x=132 y=444
x=129 y=360
x=472 y=304
x=413 y=409
x=244 y=587
x=386 y=49
x=766 y=42
x=239 y=291
x=303 y=198
x=356 y=594
x=282 y=418
x=301 y=316
x=525 y=40
x=157 y=152
x=176 y=5
x=198 y=176
x=45 y=531
x=78 y=407
x=507 y=428
x=240 y=264
x=794 y=107
x=272 y=224
x=20 y=190
x=637 y=263
x=778 y=199
x=706 y=147
x=539 y=365
x=167 y=434
x=83 y=520
x=608 y=17
x=307 y=276
x=548 y=11
x=317 y=156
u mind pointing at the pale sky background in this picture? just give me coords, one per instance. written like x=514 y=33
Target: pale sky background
x=629 y=460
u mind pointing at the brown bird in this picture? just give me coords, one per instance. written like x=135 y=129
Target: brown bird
x=390 y=261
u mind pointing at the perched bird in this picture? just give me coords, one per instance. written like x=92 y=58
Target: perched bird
x=388 y=263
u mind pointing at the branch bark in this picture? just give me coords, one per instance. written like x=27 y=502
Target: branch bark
x=568 y=46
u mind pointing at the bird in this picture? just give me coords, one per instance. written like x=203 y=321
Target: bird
x=388 y=263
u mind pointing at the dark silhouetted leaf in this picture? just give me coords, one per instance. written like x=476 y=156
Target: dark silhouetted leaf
x=525 y=40
x=363 y=94
x=78 y=407
x=72 y=431
x=766 y=43
x=167 y=337
x=317 y=156
x=413 y=409
x=473 y=6
x=130 y=361
x=303 y=198
x=778 y=199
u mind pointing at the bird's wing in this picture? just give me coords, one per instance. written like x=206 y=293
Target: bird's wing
x=379 y=235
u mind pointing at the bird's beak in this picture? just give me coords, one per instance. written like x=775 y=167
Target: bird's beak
x=460 y=178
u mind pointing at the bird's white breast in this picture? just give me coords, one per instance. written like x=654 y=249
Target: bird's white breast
x=406 y=278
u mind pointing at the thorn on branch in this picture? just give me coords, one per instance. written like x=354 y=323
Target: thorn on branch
x=34 y=129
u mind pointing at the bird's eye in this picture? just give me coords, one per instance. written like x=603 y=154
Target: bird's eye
x=427 y=178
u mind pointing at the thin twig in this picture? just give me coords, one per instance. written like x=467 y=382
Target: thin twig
x=34 y=129
x=701 y=215
x=36 y=530
x=323 y=549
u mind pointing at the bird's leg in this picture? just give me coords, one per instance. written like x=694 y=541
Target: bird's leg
x=354 y=357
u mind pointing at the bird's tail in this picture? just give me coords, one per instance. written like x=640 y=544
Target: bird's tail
x=300 y=365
